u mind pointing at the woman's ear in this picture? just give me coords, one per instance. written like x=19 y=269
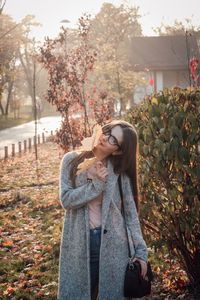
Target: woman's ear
x=117 y=152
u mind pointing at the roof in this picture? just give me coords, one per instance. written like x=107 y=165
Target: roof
x=163 y=52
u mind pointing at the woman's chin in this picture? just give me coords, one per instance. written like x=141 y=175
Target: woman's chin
x=99 y=146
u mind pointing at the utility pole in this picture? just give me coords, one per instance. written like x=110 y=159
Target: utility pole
x=65 y=31
x=188 y=56
x=35 y=106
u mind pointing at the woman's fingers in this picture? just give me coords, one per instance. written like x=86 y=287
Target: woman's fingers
x=100 y=165
x=144 y=269
x=102 y=172
x=98 y=170
x=143 y=265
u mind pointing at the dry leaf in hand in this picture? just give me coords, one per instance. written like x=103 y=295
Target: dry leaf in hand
x=90 y=142
x=88 y=145
x=86 y=164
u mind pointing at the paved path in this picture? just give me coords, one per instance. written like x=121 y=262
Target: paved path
x=22 y=132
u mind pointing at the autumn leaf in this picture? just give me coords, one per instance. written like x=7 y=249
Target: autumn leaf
x=86 y=164
x=9 y=291
x=48 y=248
x=90 y=142
x=40 y=293
x=7 y=243
x=154 y=101
x=88 y=145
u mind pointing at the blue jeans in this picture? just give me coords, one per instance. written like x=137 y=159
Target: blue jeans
x=95 y=243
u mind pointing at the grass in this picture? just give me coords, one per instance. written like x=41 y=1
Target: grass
x=8 y=122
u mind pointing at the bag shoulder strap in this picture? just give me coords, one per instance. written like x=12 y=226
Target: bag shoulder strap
x=121 y=193
x=122 y=210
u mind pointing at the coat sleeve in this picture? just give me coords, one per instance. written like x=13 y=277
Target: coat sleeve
x=73 y=198
x=132 y=220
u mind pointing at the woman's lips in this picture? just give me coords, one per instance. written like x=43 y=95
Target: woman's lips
x=100 y=143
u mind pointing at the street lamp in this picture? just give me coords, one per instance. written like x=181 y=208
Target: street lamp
x=65 y=31
x=65 y=45
x=65 y=21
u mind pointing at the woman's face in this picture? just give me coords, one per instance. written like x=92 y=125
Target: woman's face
x=110 y=140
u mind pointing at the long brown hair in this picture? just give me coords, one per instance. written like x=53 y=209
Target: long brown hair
x=125 y=163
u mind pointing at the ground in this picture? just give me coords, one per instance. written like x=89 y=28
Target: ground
x=9 y=121
x=30 y=227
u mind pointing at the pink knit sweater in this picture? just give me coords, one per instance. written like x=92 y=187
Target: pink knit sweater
x=95 y=207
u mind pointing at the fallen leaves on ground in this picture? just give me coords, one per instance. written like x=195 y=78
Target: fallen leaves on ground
x=30 y=225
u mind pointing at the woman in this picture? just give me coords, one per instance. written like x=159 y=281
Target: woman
x=94 y=245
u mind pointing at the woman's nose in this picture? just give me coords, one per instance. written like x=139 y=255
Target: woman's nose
x=104 y=137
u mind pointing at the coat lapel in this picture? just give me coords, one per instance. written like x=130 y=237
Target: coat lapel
x=109 y=191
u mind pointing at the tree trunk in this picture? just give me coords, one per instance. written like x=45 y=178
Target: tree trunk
x=119 y=91
x=190 y=263
x=2 y=4
x=86 y=121
x=10 y=87
x=194 y=272
x=2 y=109
x=29 y=75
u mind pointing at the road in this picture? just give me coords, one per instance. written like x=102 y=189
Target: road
x=22 y=132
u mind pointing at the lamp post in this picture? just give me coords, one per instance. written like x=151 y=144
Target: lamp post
x=65 y=44
x=188 y=55
x=65 y=31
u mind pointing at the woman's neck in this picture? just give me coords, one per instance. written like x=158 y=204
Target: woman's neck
x=98 y=154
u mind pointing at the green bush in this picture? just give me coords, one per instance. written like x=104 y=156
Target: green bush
x=169 y=136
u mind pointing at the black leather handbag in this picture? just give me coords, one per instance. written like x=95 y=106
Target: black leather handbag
x=135 y=286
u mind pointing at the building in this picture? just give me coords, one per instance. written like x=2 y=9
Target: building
x=164 y=61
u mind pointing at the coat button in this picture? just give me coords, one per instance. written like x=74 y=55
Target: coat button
x=105 y=231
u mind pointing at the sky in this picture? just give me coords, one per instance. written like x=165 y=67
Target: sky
x=50 y=13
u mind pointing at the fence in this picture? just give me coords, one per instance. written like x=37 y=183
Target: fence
x=26 y=145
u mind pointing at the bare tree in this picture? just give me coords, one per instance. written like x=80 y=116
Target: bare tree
x=2 y=4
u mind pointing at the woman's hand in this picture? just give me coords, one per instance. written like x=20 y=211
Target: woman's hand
x=98 y=171
x=102 y=171
x=143 y=265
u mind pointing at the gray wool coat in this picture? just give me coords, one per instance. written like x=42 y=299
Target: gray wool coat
x=74 y=263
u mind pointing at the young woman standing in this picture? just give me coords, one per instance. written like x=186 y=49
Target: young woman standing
x=94 y=245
